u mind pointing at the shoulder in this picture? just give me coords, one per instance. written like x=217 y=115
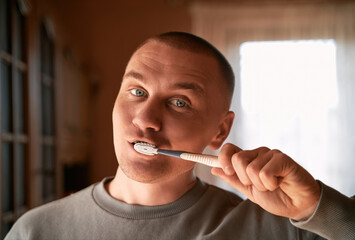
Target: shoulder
x=67 y=203
x=48 y=215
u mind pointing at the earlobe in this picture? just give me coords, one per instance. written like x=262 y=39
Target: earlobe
x=223 y=131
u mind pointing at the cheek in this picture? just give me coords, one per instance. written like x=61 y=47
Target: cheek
x=120 y=119
x=190 y=134
x=121 y=112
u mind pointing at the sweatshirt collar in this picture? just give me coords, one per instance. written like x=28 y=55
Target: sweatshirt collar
x=121 y=209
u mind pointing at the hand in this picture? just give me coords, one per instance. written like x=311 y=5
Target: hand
x=270 y=179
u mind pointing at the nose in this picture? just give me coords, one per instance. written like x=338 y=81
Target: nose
x=148 y=116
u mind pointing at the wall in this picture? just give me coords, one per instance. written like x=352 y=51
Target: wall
x=103 y=37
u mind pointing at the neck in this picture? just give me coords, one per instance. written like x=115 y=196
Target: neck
x=150 y=194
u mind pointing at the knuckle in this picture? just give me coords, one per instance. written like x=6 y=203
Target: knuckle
x=240 y=159
x=241 y=155
x=263 y=149
x=264 y=174
x=227 y=146
x=224 y=151
x=235 y=158
x=252 y=169
x=275 y=151
x=236 y=162
x=281 y=156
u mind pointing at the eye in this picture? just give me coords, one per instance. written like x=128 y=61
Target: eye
x=138 y=92
x=179 y=103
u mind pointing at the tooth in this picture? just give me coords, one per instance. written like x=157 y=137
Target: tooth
x=146 y=143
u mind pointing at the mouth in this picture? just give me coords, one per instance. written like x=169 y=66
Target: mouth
x=145 y=148
x=145 y=143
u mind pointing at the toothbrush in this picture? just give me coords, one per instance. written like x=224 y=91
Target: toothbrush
x=148 y=149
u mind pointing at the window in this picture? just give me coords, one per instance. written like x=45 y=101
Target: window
x=13 y=118
x=229 y=26
x=48 y=143
x=289 y=96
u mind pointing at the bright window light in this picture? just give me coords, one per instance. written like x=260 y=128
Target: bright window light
x=288 y=95
x=291 y=75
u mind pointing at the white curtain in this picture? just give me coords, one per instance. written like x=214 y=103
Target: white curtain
x=228 y=26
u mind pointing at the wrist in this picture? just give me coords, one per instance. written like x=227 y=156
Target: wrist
x=307 y=213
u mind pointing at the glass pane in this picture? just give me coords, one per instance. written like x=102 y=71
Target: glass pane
x=47 y=111
x=46 y=53
x=48 y=171
x=51 y=58
x=48 y=158
x=19 y=34
x=43 y=50
x=5 y=24
x=6 y=90
x=20 y=90
x=7 y=177
x=20 y=175
x=48 y=187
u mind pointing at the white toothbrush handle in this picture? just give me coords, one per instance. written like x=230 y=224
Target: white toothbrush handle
x=208 y=160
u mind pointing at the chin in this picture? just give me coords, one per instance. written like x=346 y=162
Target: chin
x=146 y=172
x=152 y=172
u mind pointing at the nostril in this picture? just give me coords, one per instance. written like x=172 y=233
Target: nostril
x=152 y=129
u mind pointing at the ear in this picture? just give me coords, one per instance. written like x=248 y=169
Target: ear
x=223 y=131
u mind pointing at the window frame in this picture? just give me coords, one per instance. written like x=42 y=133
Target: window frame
x=48 y=138
x=14 y=136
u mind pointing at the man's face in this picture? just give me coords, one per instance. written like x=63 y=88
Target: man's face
x=172 y=99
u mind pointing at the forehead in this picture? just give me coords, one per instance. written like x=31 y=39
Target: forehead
x=157 y=58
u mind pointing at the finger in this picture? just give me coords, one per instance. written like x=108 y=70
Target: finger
x=240 y=162
x=279 y=166
x=225 y=156
x=254 y=168
x=231 y=180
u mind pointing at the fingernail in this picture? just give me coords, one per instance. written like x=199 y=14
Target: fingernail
x=229 y=170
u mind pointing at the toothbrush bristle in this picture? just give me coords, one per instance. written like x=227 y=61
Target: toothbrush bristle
x=145 y=148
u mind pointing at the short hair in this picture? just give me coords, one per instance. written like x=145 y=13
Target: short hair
x=192 y=43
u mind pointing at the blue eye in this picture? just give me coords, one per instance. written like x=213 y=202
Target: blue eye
x=138 y=92
x=179 y=103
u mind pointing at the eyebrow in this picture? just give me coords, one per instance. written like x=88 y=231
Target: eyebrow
x=133 y=74
x=190 y=86
x=183 y=85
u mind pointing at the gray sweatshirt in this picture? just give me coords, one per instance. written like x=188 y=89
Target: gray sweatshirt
x=205 y=212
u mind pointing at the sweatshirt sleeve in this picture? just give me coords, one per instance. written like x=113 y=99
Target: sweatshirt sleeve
x=334 y=217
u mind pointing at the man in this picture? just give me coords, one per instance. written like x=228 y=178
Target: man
x=175 y=94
